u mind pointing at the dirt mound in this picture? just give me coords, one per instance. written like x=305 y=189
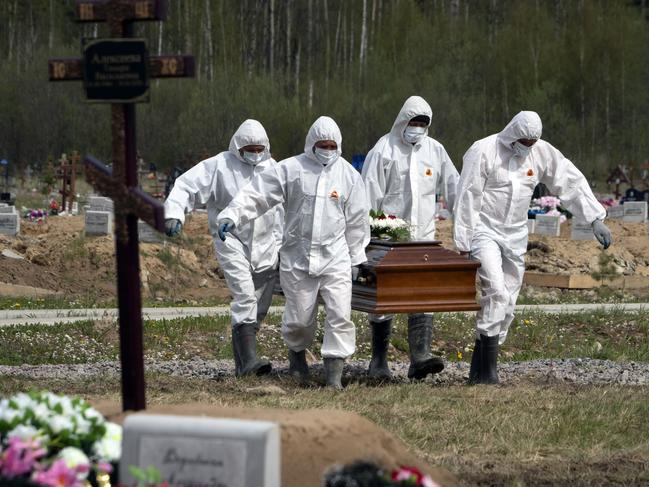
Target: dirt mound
x=59 y=257
x=312 y=440
x=629 y=254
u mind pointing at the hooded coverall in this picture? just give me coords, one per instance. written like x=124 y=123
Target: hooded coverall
x=326 y=230
x=249 y=261
x=490 y=211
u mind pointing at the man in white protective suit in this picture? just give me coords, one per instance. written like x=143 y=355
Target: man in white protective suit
x=498 y=178
x=249 y=260
x=403 y=173
x=326 y=230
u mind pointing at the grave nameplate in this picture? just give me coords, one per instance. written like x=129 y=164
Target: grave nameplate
x=581 y=230
x=530 y=225
x=147 y=233
x=635 y=211
x=99 y=223
x=8 y=209
x=9 y=224
x=547 y=225
x=615 y=212
x=193 y=451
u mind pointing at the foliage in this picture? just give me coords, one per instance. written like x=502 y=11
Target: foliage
x=581 y=65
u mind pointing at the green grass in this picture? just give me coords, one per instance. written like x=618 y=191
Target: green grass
x=515 y=435
x=613 y=335
x=603 y=294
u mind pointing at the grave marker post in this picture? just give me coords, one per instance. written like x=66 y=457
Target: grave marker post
x=116 y=71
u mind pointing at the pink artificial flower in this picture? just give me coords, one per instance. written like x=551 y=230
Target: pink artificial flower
x=20 y=457
x=58 y=475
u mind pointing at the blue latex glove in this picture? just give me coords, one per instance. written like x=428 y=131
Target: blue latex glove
x=225 y=225
x=173 y=227
x=602 y=233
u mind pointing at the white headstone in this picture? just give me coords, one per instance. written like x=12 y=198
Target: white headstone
x=2 y=205
x=147 y=234
x=547 y=225
x=530 y=225
x=581 y=230
x=615 y=212
x=99 y=223
x=635 y=211
x=192 y=451
x=7 y=209
x=100 y=203
x=9 y=224
x=75 y=208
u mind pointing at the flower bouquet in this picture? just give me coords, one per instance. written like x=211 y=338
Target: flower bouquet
x=37 y=215
x=52 y=440
x=362 y=473
x=388 y=227
x=548 y=205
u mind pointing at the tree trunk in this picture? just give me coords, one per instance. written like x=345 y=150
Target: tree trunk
x=271 y=39
x=363 y=41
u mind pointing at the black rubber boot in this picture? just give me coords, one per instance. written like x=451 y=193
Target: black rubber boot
x=297 y=365
x=420 y=337
x=489 y=360
x=333 y=370
x=237 y=360
x=245 y=342
x=474 y=372
x=380 y=341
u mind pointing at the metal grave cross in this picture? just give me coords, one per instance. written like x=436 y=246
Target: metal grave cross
x=116 y=71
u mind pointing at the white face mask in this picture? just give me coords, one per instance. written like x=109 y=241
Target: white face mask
x=326 y=156
x=412 y=135
x=254 y=158
x=521 y=150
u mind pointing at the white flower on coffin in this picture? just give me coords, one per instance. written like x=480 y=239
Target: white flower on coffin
x=388 y=227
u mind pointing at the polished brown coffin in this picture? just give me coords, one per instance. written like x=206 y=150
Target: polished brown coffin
x=410 y=277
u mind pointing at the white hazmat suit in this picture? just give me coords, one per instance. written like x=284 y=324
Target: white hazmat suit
x=490 y=212
x=249 y=261
x=402 y=179
x=326 y=231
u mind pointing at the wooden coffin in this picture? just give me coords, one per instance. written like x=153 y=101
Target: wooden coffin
x=410 y=277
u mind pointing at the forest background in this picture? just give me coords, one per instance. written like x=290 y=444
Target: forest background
x=582 y=64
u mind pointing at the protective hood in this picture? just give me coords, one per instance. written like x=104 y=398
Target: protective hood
x=525 y=125
x=250 y=132
x=415 y=105
x=324 y=128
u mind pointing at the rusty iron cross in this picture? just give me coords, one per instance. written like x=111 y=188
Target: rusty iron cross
x=121 y=182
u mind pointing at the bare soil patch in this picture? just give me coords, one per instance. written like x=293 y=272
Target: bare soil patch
x=312 y=440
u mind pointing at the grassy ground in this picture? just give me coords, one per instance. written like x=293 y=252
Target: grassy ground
x=614 y=335
x=517 y=435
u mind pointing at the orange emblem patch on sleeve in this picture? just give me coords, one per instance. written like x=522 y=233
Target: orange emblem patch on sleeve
x=429 y=172
x=334 y=194
x=530 y=172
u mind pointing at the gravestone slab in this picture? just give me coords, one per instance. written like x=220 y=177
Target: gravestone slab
x=581 y=230
x=615 y=212
x=530 y=225
x=193 y=451
x=635 y=211
x=8 y=209
x=9 y=224
x=100 y=203
x=99 y=223
x=147 y=234
x=547 y=225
